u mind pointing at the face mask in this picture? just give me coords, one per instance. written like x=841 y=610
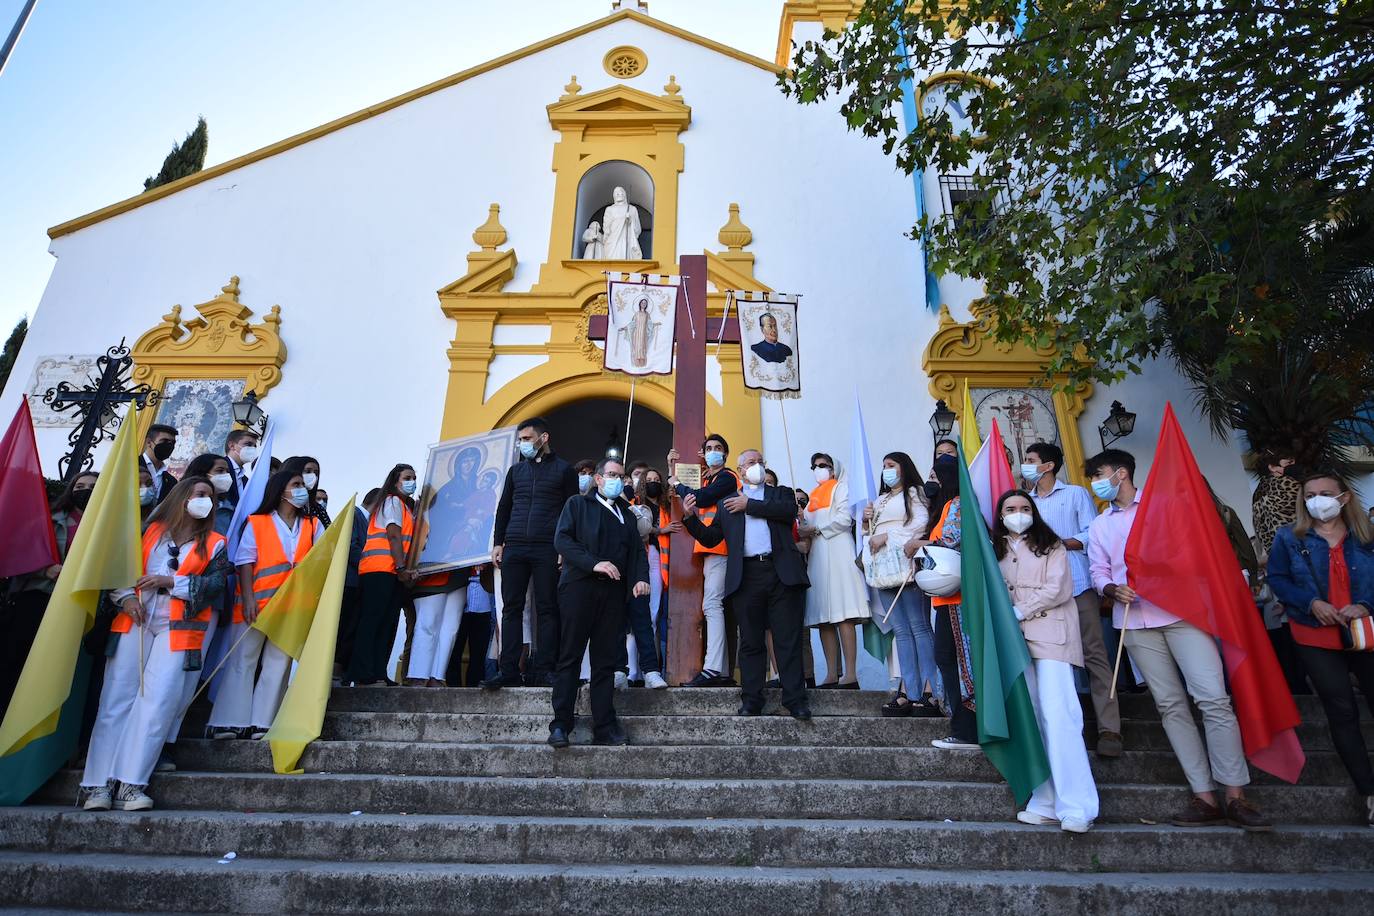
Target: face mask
x=146 y=496
x=322 y=503
x=932 y=488
x=1106 y=489
x=1019 y=522
x=311 y=481
x=199 y=507
x=527 y=449
x=612 y=487
x=945 y=460
x=715 y=459
x=163 y=450
x=634 y=481
x=1030 y=473
x=1323 y=508
x=221 y=482
x=822 y=475
x=248 y=454
x=80 y=498
x=298 y=497
x=754 y=474
x=584 y=482
x=889 y=477
x=653 y=489
x=408 y=486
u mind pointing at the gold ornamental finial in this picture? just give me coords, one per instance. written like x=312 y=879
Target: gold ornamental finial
x=734 y=235
x=571 y=90
x=491 y=233
x=672 y=90
x=232 y=290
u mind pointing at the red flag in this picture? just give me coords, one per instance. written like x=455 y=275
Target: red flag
x=1180 y=558
x=26 y=539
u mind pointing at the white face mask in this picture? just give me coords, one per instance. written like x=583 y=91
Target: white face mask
x=221 y=482
x=408 y=487
x=822 y=475
x=754 y=474
x=1323 y=508
x=199 y=507
x=1030 y=473
x=1018 y=522
x=248 y=454
x=310 y=480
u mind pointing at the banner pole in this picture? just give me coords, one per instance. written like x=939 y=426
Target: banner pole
x=628 y=417
x=791 y=468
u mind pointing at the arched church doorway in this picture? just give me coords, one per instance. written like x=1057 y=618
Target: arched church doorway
x=591 y=427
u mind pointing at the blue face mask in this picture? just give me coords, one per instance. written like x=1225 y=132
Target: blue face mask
x=612 y=487
x=945 y=459
x=1030 y=473
x=1105 y=489
x=584 y=482
x=715 y=459
x=889 y=477
x=299 y=497
x=527 y=449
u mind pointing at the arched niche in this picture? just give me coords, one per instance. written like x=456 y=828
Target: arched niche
x=594 y=196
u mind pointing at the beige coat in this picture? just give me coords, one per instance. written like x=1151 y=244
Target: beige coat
x=1042 y=590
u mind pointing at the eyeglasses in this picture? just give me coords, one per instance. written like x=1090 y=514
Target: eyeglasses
x=820 y=465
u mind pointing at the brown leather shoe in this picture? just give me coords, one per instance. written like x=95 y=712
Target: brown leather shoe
x=1240 y=813
x=1108 y=744
x=1198 y=814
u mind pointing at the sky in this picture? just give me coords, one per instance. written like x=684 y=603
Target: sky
x=96 y=92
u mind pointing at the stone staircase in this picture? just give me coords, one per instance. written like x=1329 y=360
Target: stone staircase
x=426 y=800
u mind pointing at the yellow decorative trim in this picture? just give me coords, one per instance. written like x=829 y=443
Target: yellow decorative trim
x=281 y=146
x=625 y=62
x=834 y=15
x=571 y=89
x=734 y=235
x=491 y=234
x=219 y=343
x=958 y=352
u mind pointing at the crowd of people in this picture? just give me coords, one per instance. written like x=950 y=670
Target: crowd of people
x=581 y=559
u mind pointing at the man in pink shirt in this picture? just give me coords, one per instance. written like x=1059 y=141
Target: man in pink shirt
x=1162 y=645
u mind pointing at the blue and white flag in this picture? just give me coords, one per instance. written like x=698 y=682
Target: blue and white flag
x=251 y=495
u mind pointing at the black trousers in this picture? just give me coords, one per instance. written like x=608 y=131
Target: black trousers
x=380 y=598
x=963 y=722
x=349 y=609
x=1330 y=671
x=19 y=624
x=522 y=564
x=474 y=634
x=760 y=604
x=593 y=613
x=640 y=622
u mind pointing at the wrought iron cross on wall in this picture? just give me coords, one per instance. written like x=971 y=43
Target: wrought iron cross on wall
x=95 y=404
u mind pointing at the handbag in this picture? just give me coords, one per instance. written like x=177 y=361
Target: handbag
x=1357 y=635
x=888 y=568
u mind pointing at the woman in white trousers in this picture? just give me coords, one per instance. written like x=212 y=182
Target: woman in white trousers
x=1035 y=565
x=440 y=600
x=157 y=640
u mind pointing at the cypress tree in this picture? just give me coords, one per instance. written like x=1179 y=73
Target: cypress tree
x=10 y=353
x=186 y=157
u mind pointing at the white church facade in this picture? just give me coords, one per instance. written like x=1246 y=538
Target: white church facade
x=427 y=268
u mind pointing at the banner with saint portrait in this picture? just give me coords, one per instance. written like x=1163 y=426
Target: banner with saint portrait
x=461 y=486
x=641 y=319
x=768 y=342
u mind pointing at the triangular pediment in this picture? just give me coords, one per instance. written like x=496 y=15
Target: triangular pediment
x=619 y=106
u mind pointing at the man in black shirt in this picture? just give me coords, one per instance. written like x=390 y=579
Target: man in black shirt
x=604 y=565
x=532 y=498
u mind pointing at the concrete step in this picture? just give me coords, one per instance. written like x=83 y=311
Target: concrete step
x=1004 y=845
x=153 y=883
x=718 y=762
x=679 y=798
x=704 y=730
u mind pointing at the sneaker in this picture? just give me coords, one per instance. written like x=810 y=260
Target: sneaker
x=132 y=798
x=1240 y=813
x=1108 y=744
x=258 y=734
x=703 y=679
x=99 y=799
x=165 y=763
x=952 y=743
x=654 y=681
x=1075 y=825
x=221 y=733
x=622 y=681
x=1198 y=814
x=1036 y=820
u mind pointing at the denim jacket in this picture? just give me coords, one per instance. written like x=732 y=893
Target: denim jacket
x=1297 y=584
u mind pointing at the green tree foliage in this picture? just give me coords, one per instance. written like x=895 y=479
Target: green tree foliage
x=186 y=158
x=10 y=353
x=1182 y=177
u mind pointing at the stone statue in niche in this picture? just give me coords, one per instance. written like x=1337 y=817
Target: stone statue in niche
x=591 y=242
x=620 y=229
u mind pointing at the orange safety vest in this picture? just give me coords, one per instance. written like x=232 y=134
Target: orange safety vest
x=185 y=628
x=665 y=519
x=707 y=516
x=272 y=565
x=377 y=549
x=935 y=533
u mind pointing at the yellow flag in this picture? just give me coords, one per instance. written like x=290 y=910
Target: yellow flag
x=301 y=715
x=968 y=425
x=106 y=553
x=286 y=617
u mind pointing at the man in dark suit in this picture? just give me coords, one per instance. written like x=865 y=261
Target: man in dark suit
x=769 y=349
x=158 y=446
x=765 y=582
x=604 y=564
x=241 y=449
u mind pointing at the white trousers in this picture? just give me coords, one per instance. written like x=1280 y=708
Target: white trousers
x=242 y=700
x=713 y=609
x=1070 y=790
x=193 y=680
x=436 y=627
x=130 y=728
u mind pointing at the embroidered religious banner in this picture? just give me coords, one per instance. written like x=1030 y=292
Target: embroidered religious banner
x=641 y=318
x=768 y=342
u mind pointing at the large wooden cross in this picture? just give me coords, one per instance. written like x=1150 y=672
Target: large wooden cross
x=689 y=428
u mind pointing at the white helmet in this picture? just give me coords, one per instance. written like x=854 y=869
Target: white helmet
x=938 y=570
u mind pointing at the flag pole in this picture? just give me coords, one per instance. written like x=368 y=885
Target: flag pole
x=897 y=597
x=205 y=681
x=1120 y=644
x=140 y=659
x=628 y=417
x=791 y=468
